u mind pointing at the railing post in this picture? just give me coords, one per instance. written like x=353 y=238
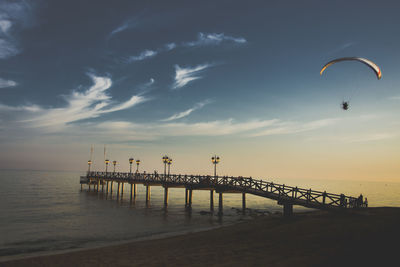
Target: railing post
x=323 y=197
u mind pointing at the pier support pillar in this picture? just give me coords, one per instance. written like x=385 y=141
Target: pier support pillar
x=98 y=183
x=122 y=189
x=165 y=196
x=89 y=186
x=244 y=202
x=134 y=191
x=220 y=204
x=131 y=190
x=118 y=189
x=287 y=209
x=81 y=187
x=102 y=186
x=111 y=187
x=186 y=197
x=148 y=191
x=190 y=197
x=211 y=200
x=107 y=188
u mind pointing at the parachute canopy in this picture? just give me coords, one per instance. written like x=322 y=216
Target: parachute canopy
x=367 y=62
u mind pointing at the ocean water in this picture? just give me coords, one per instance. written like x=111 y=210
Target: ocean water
x=46 y=212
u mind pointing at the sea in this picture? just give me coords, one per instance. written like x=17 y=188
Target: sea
x=46 y=212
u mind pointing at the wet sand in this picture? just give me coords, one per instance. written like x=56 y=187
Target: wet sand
x=368 y=238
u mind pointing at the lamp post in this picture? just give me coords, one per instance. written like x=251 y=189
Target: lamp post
x=114 y=163
x=107 y=162
x=215 y=161
x=130 y=164
x=137 y=165
x=169 y=164
x=165 y=161
x=89 y=163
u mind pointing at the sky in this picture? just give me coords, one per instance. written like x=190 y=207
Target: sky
x=193 y=79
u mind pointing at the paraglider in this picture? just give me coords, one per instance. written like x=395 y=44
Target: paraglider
x=345 y=105
x=369 y=63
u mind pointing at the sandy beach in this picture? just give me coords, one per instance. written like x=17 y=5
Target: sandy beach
x=318 y=238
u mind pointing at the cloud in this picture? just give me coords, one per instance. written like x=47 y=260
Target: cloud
x=202 y=40
x=123 y=27
x=7 y=83
x=185 y=75
x=170 y=46
x=5 y=25
x=145 y=54
x=187 y=112
x=359 y=138
x=30 y=108
x=296 y=127
x=15 y=14
x=128 y=131
x=214 y=39
x=397 y=97
x=82 y=105
x=341 y=47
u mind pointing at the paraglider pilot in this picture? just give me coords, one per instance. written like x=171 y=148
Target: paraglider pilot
x=345 y=105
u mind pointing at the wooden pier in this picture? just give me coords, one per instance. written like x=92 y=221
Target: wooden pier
x=287 y=196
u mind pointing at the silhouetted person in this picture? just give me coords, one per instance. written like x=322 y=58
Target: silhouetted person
x=360 y=200
x=366 y=202
x=345 y=105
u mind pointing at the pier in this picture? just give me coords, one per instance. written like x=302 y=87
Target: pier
x=287 y=196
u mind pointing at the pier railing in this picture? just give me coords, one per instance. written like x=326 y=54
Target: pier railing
x=284 y=194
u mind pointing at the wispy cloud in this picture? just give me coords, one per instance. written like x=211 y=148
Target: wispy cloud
x=356 y=138
x=7 y=83
x=185 y=75
x=188 y=112
x=397 y=97
x=128 y=131
x=214 y=39
x=83 y=105
x=170 y=46
x=145 y=54
x=30 y=108
x=296 y=127
x=5 y=25
x=203 y=39
x=123 y=27
x=341 y=47
x=15 y=13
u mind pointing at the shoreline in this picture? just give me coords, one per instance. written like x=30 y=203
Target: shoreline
x=307 y=239
x=155 y=236
x=110 y=244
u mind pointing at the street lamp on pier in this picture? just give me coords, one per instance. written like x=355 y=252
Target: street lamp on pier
x=215 y=161
x=106 y=162
x=114 y=163
x=169 y=164
x=130 y=164
x=89 y=163
x=137 y=165
x=165 y=161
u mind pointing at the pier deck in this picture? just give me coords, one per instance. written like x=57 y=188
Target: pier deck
x=285 y=195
